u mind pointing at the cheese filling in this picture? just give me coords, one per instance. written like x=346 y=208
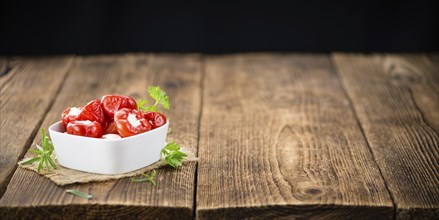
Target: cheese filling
x=85 y=122
x=133 y=120
x=111 y=136
x=74 y=111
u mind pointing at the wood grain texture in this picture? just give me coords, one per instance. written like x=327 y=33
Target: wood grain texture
x=31 y=196
x=28 y=87
x=279 y=139
x=396 y=98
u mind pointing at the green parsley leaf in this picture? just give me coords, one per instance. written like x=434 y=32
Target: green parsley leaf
x=79 y=193
x=141 y=104
x=152 y=108
x=146 y=178
x=173 y=155
x=159 y=96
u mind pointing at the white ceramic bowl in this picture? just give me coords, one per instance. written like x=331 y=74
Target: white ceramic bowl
x=107 y=156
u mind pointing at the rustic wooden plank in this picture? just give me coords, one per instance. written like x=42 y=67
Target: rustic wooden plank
x=396 y=98
x=279 y=139
x=28 y=87
x=31 y=196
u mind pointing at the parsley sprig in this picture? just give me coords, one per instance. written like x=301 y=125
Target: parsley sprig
x=146 y=178
x=44 y=154
x=159 y=97
x=173 y=155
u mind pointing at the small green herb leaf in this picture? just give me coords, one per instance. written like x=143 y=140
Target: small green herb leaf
x=139 y=180
x=159 y=96
x=141 y=104
x=44 y=140
x=40 y=166
x=146 y=178
x=39 y=152
x=173 y=155
x=30 y=161
x=52 y=163
x=44 y=152
x=79 y=193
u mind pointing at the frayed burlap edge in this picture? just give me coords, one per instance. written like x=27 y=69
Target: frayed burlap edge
x=65 y=176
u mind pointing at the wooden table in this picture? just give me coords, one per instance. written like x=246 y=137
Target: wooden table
x=324 y=136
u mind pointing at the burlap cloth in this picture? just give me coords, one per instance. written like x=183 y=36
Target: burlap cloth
x=65 y=176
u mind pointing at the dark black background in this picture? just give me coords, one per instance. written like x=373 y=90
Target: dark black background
x=88 y=27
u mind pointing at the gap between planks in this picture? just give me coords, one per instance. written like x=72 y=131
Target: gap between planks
x=351 y=106
x=165 y=66
x=401 y=113
x=200 y=111
x=294 y=70
x=34 y=132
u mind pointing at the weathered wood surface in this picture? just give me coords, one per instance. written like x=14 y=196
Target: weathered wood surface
x=279 y=138
x=290 y=136
x=32 y=196
x=396 y=98
x=28 y=88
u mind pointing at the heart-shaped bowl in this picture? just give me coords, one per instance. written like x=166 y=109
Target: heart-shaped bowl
x=107 y=156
